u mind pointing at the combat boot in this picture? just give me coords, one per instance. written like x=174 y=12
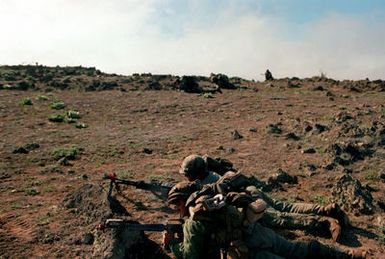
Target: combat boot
x=334 y=210
x=333 y=226
x=357 y=253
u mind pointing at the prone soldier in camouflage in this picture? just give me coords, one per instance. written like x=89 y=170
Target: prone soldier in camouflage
x=194 y=167
x=223 y=227
x=279 y=214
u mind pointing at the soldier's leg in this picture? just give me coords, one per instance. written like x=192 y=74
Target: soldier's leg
x=283 y=206
x=331 y=210
x=275 y=219
x=260 y=238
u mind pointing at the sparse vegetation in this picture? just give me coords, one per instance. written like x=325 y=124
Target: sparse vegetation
x=42 y=98
x=69 y=153
x=31 y=191
x=26 y=101
x=56 y=118
x=58 y=105
x=370 y=175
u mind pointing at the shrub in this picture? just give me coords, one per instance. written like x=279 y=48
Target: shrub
x=57 y=105
x=69 y=153
x=56 y=118
x=26 y=101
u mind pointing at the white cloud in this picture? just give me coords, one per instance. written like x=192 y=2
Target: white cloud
x=129 y=36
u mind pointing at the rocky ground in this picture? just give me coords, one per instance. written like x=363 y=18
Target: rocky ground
x=62 y=128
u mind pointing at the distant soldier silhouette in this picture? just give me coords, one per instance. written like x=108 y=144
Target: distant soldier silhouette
x=268 y=75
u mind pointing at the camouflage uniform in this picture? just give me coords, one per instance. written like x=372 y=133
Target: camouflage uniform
x=199 y=241
x=206 y=230
x=280 y=214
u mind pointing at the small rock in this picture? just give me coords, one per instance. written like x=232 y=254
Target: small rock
x=63 y=161
x=236 y=135
x=20 y=150
x=147 y=151
x=274 y=129
x=253 y=129
x=230 y=150
x=309 y=151
x=88 y=239
x=292 y=136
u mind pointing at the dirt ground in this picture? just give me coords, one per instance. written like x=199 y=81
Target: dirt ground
x=144 y=134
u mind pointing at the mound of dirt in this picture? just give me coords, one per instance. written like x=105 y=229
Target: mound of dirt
x=352 y=197
x=93 y=204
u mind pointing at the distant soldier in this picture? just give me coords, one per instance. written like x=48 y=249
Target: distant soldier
x=227 y=225
x=279 y=214
x=268 y=75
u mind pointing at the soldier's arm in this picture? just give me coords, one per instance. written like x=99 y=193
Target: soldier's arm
x=193 y=240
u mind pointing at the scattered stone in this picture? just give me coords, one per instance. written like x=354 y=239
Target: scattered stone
x=147 y=151
x=253 y=129
x=88 y=239
x=292 y=136
x=342 y=117
x=236 y=135
x=188 y=84
x=222 y=81
x=154 y=85
x=308 y=128
x=274 y=128
x=280 y=177
x=26 y=148
x=319 y=128
x=230 y=150
x=20 y=150
x=309 y=151
x=352 y=197
x=318 y=88
x=64 y=162
x=330 y=166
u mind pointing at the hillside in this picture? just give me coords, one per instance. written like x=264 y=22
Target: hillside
x=64 y=127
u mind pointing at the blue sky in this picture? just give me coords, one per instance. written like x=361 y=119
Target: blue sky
x=342 y=38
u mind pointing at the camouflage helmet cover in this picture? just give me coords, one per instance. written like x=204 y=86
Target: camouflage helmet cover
x=182 y=190
x=193 y=166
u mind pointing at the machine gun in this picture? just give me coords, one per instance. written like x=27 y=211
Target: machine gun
x=176 y=227
x=158 y=188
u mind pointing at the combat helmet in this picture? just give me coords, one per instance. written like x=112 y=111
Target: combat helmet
x=182 y=190
x=193 y=166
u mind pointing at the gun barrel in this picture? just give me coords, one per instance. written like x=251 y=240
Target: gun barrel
x=120 y=223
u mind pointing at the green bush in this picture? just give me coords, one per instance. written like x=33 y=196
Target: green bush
x=57 y=105
x=69 y=153
x=56 y=118
x=42 y=98
x=26 y=101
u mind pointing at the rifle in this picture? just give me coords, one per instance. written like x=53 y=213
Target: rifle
x=158 y=188
x=176 y=227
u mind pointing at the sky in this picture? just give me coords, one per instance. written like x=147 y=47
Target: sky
x=343 y=39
